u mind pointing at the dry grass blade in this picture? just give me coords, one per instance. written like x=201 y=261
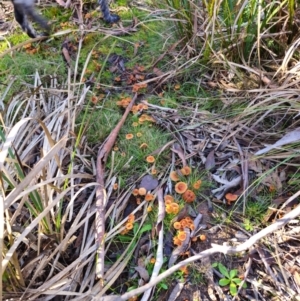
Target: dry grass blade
x=16 y=193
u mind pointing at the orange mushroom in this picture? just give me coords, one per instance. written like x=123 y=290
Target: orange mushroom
x=169 y=208
x=181 y=187
x=189 y=196
x=177 y=225
x=176 y=241
x=174 y=176
x=197 y=184
x=142 y=191
x=129 y=226
x=186 y=170
x=181 y=235
x=175 y=208
x=202 y=237
x=150 y=159
x=149 y=197
x=135 y=192
x=230 y=197
x=168 y=197
x=143 y=145
x=129 y=136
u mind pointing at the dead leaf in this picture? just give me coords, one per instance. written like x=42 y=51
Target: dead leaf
x=149 y=183
x=210 y=162
x=157 y=72
x=143 y=273
x=291 y=137
x=297 y=278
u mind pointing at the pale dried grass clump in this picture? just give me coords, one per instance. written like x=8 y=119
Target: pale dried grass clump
x=48 y=200
x=48 y=191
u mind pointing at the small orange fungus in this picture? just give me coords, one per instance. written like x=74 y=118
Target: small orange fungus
x=142 y=191
x=181 y=235
x=143 y=145
x=129 y=136
x=139 y=86
x=194 y=238
x=150 y=159
x=124 y=102
x=135 y=124
x=152 y=260
x=189 y=196
x=135 y=192
x=186 y=170
x=139 y=134
x=149 y=209
x=177 y=87
x=168 y=197
x=230 y=197
x=177 y=225
x=131 y=218
x=149 y=197
x=192 y=226
x=197 y=184
x=138 y=201
x=184 y=223
x=129 y=226
x=169 y=208
x=174 y=176
x=181 y=187
x=149 y=118
x=142 y=118
x=140 y=106
x=153 y=171
x=176 y=241
x=175 y=208
x=202 y=237
x=115 y=186
x=167 y=202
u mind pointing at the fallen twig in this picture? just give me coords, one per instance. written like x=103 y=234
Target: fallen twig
x=160 y=231
x=103 y=153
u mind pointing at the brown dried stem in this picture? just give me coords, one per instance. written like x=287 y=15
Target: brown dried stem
x=103 y=153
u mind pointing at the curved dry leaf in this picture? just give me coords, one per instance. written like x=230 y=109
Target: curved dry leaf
x=176 y=291
x=149 y=183
x=292 y=137
x=143 y=273
x=210 y=162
